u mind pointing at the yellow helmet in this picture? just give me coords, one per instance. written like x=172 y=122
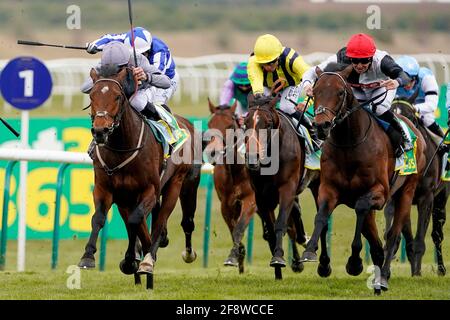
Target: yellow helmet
x=267 y=48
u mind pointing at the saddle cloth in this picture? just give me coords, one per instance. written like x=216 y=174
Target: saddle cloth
x=168 y=132
x=406 y=164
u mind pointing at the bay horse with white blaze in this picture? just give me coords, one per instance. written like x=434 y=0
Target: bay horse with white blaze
x=357 y=169
x=276 y=162
x=130 y=171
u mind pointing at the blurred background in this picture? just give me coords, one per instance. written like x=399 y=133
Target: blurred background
x=194 y=29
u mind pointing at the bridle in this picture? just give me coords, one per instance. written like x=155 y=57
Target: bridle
x=235 y=127
x=104 y=114
x=338 y=116
x=343 y=112
x=116 y=122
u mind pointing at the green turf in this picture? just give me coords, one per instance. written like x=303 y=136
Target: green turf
x=173 y=279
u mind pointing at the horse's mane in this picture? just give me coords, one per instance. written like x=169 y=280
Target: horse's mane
x=108 y=70
x=261 y=101
x=335 y=67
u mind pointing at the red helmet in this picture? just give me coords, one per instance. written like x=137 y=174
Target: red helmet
x=361 y=46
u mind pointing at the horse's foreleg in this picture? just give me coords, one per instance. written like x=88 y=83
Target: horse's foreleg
x=287 y=197
x=103 y=202
x=237 y=254
x=326 y=202
x=170 y=195
x=403 y=203
x=363 y=206
x=439 y=217
x=324 y=268
x=188 y=201
x=388 y=217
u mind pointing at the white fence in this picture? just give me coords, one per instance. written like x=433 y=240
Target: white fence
x=200 y=76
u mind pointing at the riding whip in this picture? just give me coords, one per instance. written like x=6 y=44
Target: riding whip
x=10 y=128
x=34 y=43
x=130 y=16
x=435 y=152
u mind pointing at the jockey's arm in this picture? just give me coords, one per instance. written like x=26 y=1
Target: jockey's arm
x=255 y=75
x=227 y=92
x=430 y=87
x=310 y=76
x=300 y=67
x=391 y=69
x=154 y=76
x=107 y=38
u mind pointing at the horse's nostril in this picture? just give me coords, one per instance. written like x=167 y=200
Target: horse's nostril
x=105 y=130
x=326 y=125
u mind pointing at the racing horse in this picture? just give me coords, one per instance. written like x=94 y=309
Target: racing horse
x=275 y=157
x=430 y=197
x=232 y=183
x=358 y=170
x=131 y=171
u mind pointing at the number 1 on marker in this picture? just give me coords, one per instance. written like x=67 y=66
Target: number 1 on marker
x=28 y=75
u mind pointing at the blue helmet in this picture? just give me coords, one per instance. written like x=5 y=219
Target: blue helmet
x=409 y=65
x=142 y=39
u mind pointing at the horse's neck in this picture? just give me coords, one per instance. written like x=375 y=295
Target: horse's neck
x=352 y=129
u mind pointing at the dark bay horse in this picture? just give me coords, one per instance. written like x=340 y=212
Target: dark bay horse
x=357 y=169
x=130 y=171
x=231 y=180
x=430 y=197
x=233 y=187
x=275 y=158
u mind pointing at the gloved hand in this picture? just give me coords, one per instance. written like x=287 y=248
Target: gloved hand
x=91 y=48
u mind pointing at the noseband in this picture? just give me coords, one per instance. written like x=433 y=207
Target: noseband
x=339 y=115
x=104 y=114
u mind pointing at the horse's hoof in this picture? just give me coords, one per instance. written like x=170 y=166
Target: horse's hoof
x=189 y=257
x=231 y=262
x=87 y=263
x=441 y=271
x=127 y=267
x=308 y=257
x=354 y=267
x=377 y=291
x=146 y=266
x=416 y=273
x=324 y=271
x=164 y=242
x=277 y=262
x=384 y=284
x=297 y=266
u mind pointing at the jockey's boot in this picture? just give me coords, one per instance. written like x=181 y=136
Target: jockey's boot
x=395 y=132
x=436 y=129
x=165 y=106
x=150 y=112
x=306 y=122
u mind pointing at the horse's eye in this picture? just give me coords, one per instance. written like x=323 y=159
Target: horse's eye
x=341 y=93
x=118 y=97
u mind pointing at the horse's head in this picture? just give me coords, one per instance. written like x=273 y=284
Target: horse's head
x=332 y=97
x=261 y=119
x=405 y=107
x=109 y=96
x=222 y=119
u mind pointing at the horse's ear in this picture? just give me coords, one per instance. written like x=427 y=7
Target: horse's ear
x=318 y=71
x=346 y=72
x=94 y=75
x=233 y=107
x=212 y=108
x=122 y=75
x=273 y=102
x=250 y=99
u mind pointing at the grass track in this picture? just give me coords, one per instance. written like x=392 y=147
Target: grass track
x=176 y=280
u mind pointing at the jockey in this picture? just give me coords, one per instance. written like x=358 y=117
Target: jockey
x=271 y=61
x=156 y=51
x=116 y=53
x=427 y=100
x=375 y=75
x=237 y=88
